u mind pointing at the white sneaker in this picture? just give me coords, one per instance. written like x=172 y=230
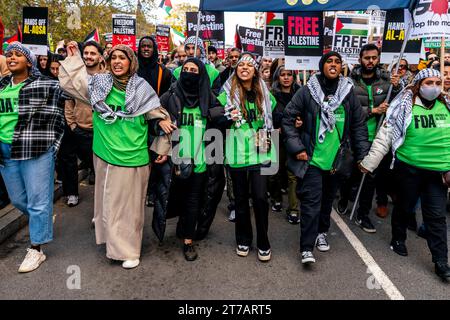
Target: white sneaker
x=322 y=243
x=72 y=201
x=32 y=260
x=232 y=216
x=242 y=251
x=264 y=255
x=130 y=264
x=308 y=257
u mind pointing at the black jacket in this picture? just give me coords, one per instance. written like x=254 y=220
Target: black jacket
x=304 y=138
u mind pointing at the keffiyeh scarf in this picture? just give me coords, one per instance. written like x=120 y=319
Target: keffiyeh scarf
x=327 y=109
x=192 y=40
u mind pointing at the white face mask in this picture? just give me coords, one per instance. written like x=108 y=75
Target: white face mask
x=430 y=93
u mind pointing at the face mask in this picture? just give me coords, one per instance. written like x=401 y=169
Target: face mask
x=430 y=93
x=190 y=80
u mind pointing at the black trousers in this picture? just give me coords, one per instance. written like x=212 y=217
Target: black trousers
x=214 y=192
x=316 y=192
x=4 y=199
x=190 y=198
x=414 y=183
x=75 y=144
x=279 y=180
x=243 y=180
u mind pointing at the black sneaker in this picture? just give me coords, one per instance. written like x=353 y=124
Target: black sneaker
x=442 y=270
x=189 y=252
x=277 y=207
x=341 y=207
x=399 y=248
x=293 y=217
x=422 y=231
x=365 y=224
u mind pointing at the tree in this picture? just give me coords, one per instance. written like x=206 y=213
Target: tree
x=177 y=18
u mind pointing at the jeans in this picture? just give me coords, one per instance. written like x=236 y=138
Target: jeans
x=414 y=183
x=242 y=179
x=316 y=192
x=30 y=188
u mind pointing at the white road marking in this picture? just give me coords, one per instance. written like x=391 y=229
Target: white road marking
x=387 y=285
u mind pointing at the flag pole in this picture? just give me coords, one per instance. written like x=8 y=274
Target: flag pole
x=197 y=32
x=388 y=97
x=442 y=62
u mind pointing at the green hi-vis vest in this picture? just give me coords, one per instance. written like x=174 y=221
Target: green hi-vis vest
x=240 y=144
x=192 y=130
x=325 y=153
x=427 y=140
x=9 y=111
x=124 y=142
x=212 y=73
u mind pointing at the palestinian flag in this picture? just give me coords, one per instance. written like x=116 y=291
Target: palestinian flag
x=177 y=37
x=352 y=26
x=93 y=36
x=274 y=19
x=166 y=5
x=237 y=39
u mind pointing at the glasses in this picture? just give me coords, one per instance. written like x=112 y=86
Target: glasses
x=403 y=67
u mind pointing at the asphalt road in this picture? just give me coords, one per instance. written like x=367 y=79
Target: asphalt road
x=358 y=266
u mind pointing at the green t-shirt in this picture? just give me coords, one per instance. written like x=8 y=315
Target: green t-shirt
x=427 y=140
x=212 y=73
x=124 y=142
x=9 y=111
x=240 y=146
x=192 y=128
x=372 y=122
x=325 y=152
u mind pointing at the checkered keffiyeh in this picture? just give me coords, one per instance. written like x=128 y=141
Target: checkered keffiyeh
x=17 y=46
x=192 y=40
x=399 y=114
x=327 y=109
x=235 y=101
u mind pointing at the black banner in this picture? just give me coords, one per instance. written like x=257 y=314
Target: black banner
x=212 y=29
x=393 y=37
x=252 y=40
x=35 y=29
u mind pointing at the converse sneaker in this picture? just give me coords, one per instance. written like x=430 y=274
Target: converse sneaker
x=130 y=264
x=72 y=201
x=32 y=260
x=308 y=257
x=242 y=251
x=322 y=243
x=293 y=217
x=264 y=256
x=277 y=207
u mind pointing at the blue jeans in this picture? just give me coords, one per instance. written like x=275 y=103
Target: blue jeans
x=30 y=187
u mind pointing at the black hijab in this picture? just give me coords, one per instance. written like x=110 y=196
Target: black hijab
x=329 y=86
x=194 y=90
x=149 y=67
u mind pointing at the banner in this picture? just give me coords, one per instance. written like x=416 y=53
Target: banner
x=252 y=40
x=431 y=19
x=328 y=33
x=394 y=34
x=35 y=29
x=274 y=35
x=2 y=34
x=435 y=43
x=124 y=30
x=162 y=38
x=351 y=32
x=212 y=29
x=303 y=34
x=108 y=36
x=297 y=5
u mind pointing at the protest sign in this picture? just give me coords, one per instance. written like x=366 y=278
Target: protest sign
x=435 y=42
x=108 y=36
x=351 y=32
x=274 y=35
x=252 y=40
x=35 y=29
x=303 y=32
x=124 y=30
x=212 y=29
x=431 y=19
x=328 y=33
x=393 y=37
x=162 y=38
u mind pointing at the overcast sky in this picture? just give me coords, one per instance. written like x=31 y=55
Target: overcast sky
x=246 y=19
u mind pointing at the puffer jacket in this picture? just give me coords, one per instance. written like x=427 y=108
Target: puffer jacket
x=304 y=138
x=380 y=89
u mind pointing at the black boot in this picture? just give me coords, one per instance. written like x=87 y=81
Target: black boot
x=442 y=270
